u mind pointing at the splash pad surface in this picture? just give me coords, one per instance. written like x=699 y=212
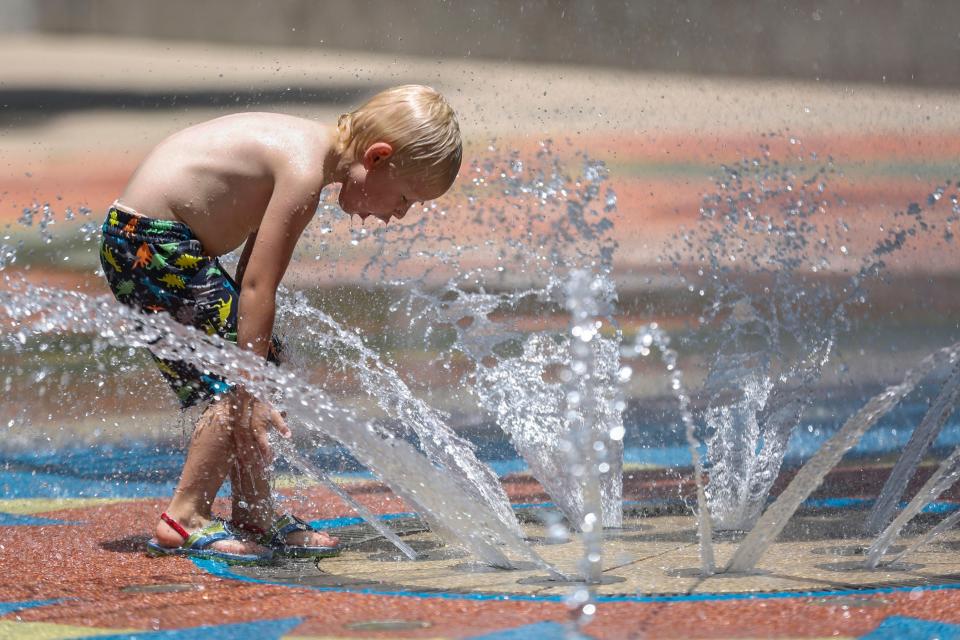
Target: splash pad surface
x=809 y=579
x=653 y=559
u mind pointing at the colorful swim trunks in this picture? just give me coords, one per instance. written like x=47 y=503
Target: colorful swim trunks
x=159 y=265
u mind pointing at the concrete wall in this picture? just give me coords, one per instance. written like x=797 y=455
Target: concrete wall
x=895 y=41
x=17 y=16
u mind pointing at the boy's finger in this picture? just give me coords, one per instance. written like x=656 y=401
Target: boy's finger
x=279 y=423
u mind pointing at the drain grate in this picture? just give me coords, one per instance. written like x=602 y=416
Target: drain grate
x=356 y=535
x=852 y=601
x=388 y=625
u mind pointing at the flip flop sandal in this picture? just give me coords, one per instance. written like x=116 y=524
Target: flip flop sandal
x=276 y=539
x=195 y=544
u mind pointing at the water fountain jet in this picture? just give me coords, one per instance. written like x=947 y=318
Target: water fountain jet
x=920 y=440
x=811 y=474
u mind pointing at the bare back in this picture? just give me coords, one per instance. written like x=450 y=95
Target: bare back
x=217 y=177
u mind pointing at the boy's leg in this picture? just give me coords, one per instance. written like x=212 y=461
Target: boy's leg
x=158 y=265
x=253 y=508
x=208 y=461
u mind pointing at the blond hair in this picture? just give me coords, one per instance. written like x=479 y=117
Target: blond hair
x=417 y=122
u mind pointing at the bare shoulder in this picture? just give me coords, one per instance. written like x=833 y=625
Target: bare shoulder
x=295 y=146
x=286 y=144
x=220 y=176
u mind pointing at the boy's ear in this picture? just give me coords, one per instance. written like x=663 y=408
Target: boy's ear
x=376 y=153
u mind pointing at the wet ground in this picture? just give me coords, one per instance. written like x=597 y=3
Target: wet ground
x=655 y=554
x=75 y=567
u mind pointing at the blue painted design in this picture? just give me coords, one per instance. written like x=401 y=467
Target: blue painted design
x=336 y=523
x=10 y=607
x=837 y=503
x=866 y=503
x=133 y=461
x=259 y=630
x=27 y=484
x=934 y=507
x=538 y=631
x=659 y=442
x=902 y=628
x=18 y=520
x=506 y=467
x=131 y=470
x=546 y=505
x=140 y=469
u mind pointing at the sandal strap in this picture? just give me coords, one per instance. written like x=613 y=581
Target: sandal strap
x=284 y=526
x=213 y=532
x=201 y=538
x=176 y=526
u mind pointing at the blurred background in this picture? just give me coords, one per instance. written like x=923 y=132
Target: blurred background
x=665 y=93
x=886 y=41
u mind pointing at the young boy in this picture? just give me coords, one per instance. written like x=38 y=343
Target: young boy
x=255 y=178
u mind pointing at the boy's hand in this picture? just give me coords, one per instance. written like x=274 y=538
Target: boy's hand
x=252 y=420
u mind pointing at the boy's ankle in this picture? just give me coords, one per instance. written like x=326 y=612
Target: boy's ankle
x=252 y=524
x=169 y=536
x=191 y=521
x=256 y=520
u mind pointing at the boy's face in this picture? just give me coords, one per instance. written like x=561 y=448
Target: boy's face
x=372 y=189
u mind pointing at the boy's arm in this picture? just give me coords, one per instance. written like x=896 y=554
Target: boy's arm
x=245 y=257
x=262 y=264
x=290 y=209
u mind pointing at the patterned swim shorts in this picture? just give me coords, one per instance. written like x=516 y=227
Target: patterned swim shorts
x=160 y=266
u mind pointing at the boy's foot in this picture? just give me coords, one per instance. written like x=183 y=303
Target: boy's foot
x=297 y=537
x=291 y=537
x=311 y=539
x=169 y=537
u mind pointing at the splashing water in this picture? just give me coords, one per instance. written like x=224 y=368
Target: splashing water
x=585 y=443
x=941 y=480
x=653 y=336
x=809 y=476
x=763 y=238
x=304 y=466
x=384 y=385
x=473 y=511
x=944 y=525
x=452 y=514
x=920 y=440
x=552 y=381
x=513 y=374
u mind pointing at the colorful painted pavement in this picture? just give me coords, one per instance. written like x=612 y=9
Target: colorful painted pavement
x=72 y=533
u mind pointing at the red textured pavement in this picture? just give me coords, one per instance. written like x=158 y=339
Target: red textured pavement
x=91 y=563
